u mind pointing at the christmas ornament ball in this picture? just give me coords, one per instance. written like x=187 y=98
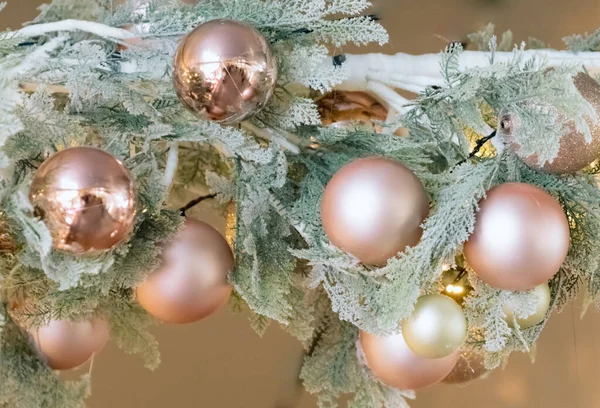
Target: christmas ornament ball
x=470 y=366
x=521 y=237
x=436 y=328
x=86 y=197
x=391 y=360
x=68 y=344
x=191 y=283
x=373 y=208
x=224 y=71
x=575 y=152
x=542 y=297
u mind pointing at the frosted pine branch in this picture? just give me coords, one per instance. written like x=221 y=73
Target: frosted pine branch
x=101 y=30
x=415 y=72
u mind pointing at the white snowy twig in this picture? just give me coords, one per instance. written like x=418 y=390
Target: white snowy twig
x=386 y=94
x=285 y=141
x=414 y=72
x=171 y=166
x=101 y=30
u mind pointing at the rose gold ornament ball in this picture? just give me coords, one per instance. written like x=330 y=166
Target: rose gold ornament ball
x=86 y=197
x=574 y=153
x=224 y=71
x=68 y=344
x=521 y=237
x=191 y=284
x=373 y=208
x=470 y=366
x=394 y=363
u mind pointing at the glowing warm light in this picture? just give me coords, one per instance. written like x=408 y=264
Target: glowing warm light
x=455 y=289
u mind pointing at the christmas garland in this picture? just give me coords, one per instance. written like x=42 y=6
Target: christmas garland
x=402 y=242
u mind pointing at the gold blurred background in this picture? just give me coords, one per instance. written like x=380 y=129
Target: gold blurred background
x=221 y=362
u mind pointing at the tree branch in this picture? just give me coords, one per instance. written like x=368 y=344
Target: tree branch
x=414 y=72
x=171 y=167
x=195 y=202
x=101 y=30
x=478 y=145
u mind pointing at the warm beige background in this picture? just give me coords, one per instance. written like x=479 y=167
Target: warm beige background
x=221 y=363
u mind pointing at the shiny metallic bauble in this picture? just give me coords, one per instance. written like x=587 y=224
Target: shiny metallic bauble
x=436 y=328
x=224 y=71
x=86 y=198
x=391 y=360
x=373 y=208
x=521 y=237
x=191 y=283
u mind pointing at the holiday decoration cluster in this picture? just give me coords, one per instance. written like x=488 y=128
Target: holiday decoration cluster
x=404 y=243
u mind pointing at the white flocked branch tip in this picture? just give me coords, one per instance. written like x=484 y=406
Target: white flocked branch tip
x=101 y=30
x=286 y=140
x=171 y=166
x=414 y=73
x=390 y=97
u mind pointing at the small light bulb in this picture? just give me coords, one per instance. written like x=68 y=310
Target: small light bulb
x=455 y=289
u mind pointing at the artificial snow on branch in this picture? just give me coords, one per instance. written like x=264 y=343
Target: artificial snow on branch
x=414 y=73
x=101 y=30
x=77 y=78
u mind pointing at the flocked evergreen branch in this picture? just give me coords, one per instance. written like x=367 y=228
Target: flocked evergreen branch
x=91 y=73
x=587 y=42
